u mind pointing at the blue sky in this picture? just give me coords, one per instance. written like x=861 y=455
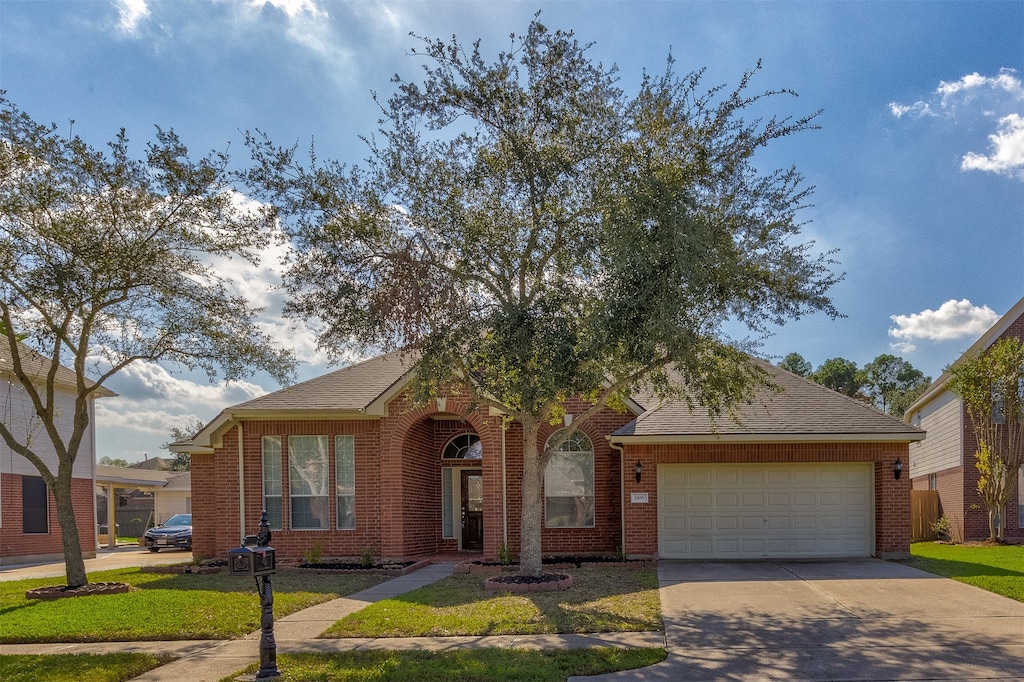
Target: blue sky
x=918 y=166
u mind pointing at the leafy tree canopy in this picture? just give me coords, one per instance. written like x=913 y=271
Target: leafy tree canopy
x=107 y=260
x=841 y=375
x=532 y=232
x=887 y=378
x=795 y=363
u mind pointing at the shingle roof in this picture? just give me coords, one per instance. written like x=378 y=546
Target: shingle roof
x=351 y=388
x=124 y=476
x=802 y=409
x=36 y=365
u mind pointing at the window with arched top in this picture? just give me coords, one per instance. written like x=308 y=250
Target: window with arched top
x=569 y=483
x=466 y=446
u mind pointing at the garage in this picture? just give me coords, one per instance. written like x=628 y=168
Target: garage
x=765 y=511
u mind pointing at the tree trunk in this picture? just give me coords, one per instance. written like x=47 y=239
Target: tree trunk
x=74 y=563
x=532 y=516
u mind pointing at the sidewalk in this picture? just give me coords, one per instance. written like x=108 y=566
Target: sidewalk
x=212 y=660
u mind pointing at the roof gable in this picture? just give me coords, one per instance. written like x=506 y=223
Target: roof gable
x=938 y=387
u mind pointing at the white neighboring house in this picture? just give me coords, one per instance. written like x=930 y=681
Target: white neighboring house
x=29 y=531
x=175 y=497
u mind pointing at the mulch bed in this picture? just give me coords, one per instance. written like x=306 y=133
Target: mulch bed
x=388 y=568
x=63 y=591
x=519 y=584
x=556 y=562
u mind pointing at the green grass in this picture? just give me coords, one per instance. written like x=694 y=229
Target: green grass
x=996 y=568
x=475 y=665
x=162 y=606
x=602 y=600
x=76 y=667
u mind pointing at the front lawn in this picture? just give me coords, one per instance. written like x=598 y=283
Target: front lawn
x=996 y=568
x=474 y=665
x=602 y=600
x=76 y=667
x=163 y=606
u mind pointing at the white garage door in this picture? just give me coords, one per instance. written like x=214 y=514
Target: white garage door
x=759 y=511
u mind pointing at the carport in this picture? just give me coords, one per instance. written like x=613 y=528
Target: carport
x=110 y=479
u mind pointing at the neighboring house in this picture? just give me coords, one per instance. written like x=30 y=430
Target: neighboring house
x=142 y=498
x=154 y=463
x=175 y=497
x=945 y=461
x=29 y=531
x=345 y=461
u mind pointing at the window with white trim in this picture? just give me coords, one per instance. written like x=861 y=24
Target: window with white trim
x=569 y=484
x=272 y=481
x=345 y=480
x=308 y=483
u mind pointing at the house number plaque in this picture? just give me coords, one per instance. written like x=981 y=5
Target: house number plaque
x=638 y=498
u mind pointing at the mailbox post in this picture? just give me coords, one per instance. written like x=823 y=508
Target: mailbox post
x=259 y=562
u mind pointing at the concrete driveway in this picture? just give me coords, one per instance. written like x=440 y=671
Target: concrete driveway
x=120 y=557
x=842 y=620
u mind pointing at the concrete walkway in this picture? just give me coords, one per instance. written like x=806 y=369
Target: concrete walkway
x=211 y=660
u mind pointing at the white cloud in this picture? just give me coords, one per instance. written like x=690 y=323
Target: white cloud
x=1006 y=82
x=953 y=320
x=309 y=26
x=999 y=99
x=1007 y=150
x=130 y=14
x=918 y=108
x=292 y=8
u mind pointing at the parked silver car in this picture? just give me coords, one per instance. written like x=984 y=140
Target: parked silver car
x=174 y=533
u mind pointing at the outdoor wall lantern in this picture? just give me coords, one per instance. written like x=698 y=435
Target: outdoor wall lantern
x=897 y=469
x=638 y=470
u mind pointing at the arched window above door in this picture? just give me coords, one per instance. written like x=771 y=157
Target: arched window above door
x=465 y=446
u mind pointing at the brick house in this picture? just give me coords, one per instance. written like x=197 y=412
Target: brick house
x=29 y=531
x=347 y=463
x=945 y=461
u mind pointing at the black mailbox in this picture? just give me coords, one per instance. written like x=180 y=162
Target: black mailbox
x=251 y=561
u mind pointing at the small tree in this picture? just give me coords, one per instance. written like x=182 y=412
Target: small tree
x=182 y=460
x=991 y=385
x=795 y=363
x=107 y=260
x=841 y=375
x=533 y=234
x=888 y=377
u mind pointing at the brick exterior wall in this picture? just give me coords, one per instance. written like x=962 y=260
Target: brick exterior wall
x=16 y=547
x=398 y=484
x=892 y=497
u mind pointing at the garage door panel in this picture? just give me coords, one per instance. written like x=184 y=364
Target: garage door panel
x=752 y=500
x=765 y=510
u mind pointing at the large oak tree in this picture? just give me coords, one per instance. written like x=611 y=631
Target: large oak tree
x=108 y=260
x=532 y=233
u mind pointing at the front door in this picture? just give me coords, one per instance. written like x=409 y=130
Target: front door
x=472 y=509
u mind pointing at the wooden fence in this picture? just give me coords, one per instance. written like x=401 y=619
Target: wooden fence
x=924 y=511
